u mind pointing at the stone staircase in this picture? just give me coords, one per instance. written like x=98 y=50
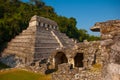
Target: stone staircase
x=37 y=42
x=20 y=48
x=23 y=43
x=45 y=43
x=65 y=40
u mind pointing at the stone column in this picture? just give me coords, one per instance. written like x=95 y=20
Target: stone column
x=53 y=62
x=41 y=24
x=71 y=62
x=85 y=64
x=50 y=26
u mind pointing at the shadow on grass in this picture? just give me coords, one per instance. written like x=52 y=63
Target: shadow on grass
x=3 y=66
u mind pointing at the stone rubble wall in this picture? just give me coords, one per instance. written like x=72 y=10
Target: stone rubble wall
x=65 y=73
x=107 y=52
x=87 y=72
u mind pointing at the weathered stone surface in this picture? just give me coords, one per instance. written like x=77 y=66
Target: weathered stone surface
x=48 y=50
x=101 y=59
x=108 y=29
x=36 y=42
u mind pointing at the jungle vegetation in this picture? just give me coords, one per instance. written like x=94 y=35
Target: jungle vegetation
x=15 y=16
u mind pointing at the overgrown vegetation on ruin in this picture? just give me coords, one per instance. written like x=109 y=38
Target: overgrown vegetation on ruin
x=15 y=15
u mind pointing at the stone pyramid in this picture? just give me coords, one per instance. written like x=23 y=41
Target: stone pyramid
x=35 y=43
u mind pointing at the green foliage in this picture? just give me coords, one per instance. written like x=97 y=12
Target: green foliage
x=93 y=38
x=22 y=75
x=15 y=15
x=83 y=35
x=38 y=3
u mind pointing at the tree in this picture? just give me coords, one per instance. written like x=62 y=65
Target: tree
x=83 y=35
x=15 y=16
x=15 y=1
x=1 y=11
x=93 y=38
x=38 y=3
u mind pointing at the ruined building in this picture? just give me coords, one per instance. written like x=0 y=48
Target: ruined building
x=42 y=41
x=96 y=60
x=35 y=43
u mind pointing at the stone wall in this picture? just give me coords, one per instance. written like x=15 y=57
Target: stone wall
x=77 y=68
x=101 y=59
x=90 y=52
x=66 y=73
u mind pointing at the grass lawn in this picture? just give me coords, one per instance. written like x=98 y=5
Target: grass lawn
x=17 y=74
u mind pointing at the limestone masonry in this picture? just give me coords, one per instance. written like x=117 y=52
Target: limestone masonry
x=35 y=43
x=43 y=48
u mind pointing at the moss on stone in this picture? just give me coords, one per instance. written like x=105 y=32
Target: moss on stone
x=96 y=67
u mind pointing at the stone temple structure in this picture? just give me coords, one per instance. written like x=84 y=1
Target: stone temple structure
x=35 y=43
x=42 y=47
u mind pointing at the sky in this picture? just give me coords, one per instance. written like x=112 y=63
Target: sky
x=86 y=12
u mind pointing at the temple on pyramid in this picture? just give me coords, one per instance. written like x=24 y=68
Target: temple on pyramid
x=35 y=43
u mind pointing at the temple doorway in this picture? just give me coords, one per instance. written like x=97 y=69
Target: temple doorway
x=78 y=60
x=60 y=58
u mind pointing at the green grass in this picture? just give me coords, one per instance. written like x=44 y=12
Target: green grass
x=18 y=74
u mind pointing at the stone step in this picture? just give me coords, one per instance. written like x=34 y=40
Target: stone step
x=18 y=53
x=43 y=30
x=28 y=31
x=45 y=37
x=24 y=36
x=60 y=34
x=46 y=41
x=51 y=47
x=19 y=44
x=66 y=41
x=31 y=28
x=69 y=40
x=44 y=50
x=19 y=48
x=37 y=56
x=44 y=34
x=22 y=40
x=47 y=45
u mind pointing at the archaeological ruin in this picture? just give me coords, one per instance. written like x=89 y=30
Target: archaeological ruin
x=96 y=60
x=35 y=43
x=43 y=48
